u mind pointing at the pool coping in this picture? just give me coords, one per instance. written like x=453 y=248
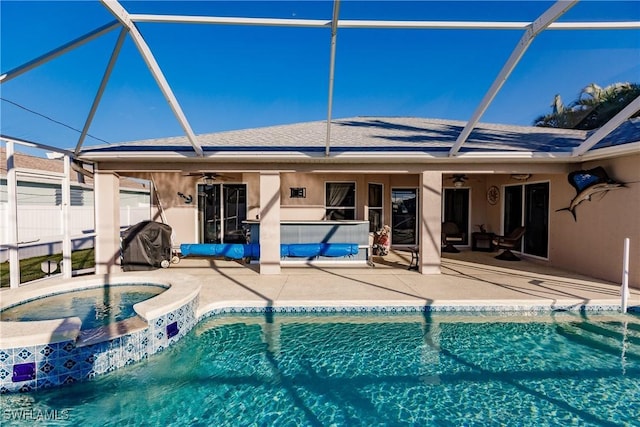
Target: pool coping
x=20 y=334
x=32 y=333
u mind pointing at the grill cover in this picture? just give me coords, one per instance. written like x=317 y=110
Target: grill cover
x=145 y=246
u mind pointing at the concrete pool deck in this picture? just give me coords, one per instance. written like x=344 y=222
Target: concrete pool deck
x=469 y=280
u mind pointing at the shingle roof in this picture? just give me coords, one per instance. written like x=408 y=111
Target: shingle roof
x=40 y=164
x=384 y=134
x=627 y=132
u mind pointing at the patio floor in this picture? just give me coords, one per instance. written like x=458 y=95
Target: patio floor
x=469 y=279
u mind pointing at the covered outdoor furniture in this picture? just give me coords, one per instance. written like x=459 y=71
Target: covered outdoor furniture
x=146 y=246
x=508 y=242
x=451 y=234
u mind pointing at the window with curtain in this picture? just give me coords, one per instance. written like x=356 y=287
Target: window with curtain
x=340 y=200
x=375 y=207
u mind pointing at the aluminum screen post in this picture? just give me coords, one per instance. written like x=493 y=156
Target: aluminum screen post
x=624 y=292
x=12 y=218
x=66 y=219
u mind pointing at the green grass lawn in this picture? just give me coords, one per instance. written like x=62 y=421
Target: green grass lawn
x=30 y=268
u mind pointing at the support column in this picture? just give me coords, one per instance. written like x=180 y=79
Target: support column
x=430 y=222
x=270 y=222
x=107 y=218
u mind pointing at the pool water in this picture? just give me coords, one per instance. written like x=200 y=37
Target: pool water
x=369 y=370
x=96 y=307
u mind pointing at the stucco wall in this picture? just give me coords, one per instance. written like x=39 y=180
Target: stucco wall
x=182 y=217
x=593 y=244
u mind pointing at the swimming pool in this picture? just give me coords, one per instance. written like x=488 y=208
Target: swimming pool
x=95 y=307
x=564 y=368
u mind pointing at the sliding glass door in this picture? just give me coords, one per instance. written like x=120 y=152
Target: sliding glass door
x=512 y=208
x=404 y=203
x=528 y=205
x=222 y=209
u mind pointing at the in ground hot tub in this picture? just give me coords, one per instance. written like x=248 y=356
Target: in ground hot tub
x=96 y=307
x=96 y=325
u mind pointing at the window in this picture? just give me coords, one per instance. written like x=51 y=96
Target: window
x=375 y=207
x=340 y=200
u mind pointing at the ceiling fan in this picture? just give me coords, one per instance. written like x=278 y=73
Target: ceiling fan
x=459 y=179
x=209 y=178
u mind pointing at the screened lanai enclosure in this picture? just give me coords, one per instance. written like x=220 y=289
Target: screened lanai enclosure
x=246 y=119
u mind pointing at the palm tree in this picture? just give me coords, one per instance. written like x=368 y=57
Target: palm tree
x=561 y=116
x=594 y=107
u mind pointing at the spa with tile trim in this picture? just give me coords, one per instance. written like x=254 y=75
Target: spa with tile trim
x=47 y=353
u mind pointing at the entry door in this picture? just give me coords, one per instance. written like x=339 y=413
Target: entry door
x=528 y=205
x=404 y=203
x=456 y=210
x=222 y=210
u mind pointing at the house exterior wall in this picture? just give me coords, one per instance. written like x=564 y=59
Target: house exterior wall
x=593 y=245
x=479 y=208
x=170 y=208
x=182 y=217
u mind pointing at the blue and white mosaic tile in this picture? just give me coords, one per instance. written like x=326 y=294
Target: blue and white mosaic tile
x=67 y=363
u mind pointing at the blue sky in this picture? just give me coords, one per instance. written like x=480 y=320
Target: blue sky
x=234 y=77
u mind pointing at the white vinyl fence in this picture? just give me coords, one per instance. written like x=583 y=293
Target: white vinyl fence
x=40 y=227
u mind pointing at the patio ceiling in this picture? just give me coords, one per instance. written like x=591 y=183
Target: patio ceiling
x=126 y=22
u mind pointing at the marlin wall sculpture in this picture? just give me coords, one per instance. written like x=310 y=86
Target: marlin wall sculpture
x=587 y=183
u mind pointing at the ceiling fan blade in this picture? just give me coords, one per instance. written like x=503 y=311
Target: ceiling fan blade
x=215 y=176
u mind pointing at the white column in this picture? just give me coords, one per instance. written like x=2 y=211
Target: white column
x=430 y=222
x=270 y=222
x=107 y=211
x=66 y=218
x=12 y=217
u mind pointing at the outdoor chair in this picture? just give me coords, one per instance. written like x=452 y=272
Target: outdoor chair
x=451 y=234
x=508 y=242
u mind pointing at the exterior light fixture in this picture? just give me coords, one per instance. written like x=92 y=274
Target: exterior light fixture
x=459 y=179
x=521 y=176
